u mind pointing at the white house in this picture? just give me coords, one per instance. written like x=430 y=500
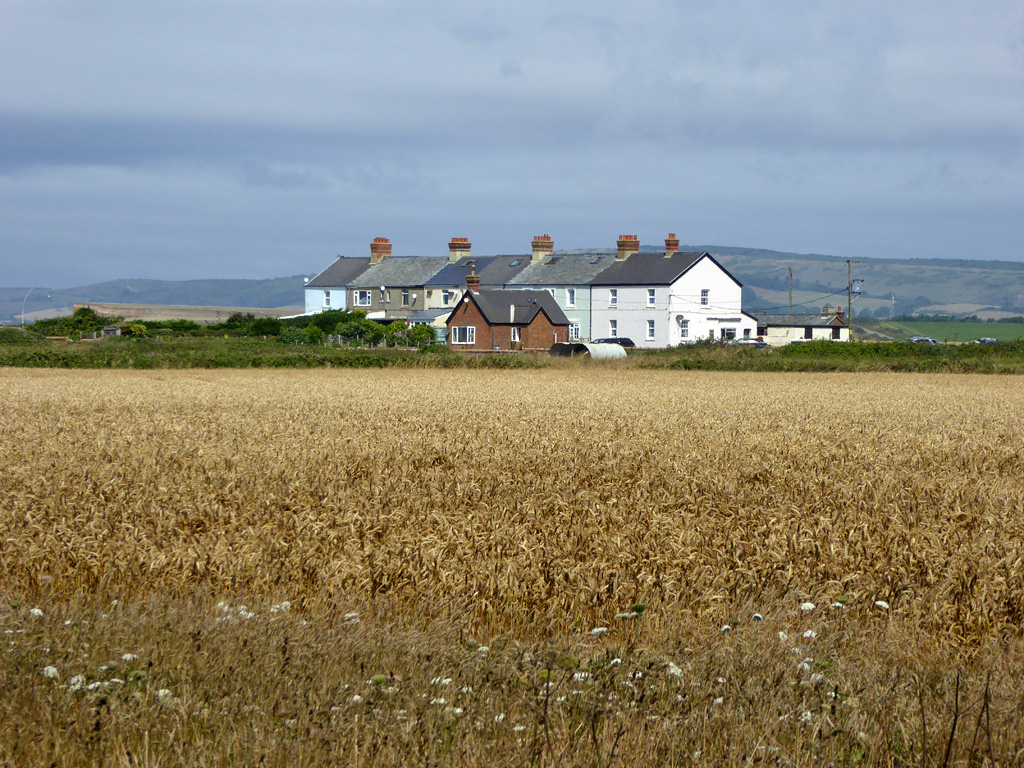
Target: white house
x=662 y=300
x=779 y=330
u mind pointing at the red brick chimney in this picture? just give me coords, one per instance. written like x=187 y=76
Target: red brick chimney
x=458 y=248
x=671 y=245
x=627 y=244
x=542 y=246
x=473 y=279
x=380 y=249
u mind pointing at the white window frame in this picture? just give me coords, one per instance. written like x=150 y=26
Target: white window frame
x=613 y=328
x=684 y=329
x=516 y=336
x=327 y=298
x=574 y=331
x=650 y=330
x=464 y=334
x=446 y=297
x=613 y=297
x=570 y=297
x=705 y=297
x=362 y=298
x=651 y=297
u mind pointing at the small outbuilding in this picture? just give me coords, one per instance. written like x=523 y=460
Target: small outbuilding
x=779 y=330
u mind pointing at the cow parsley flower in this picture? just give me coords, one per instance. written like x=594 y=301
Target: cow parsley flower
x=36 y=612
x=50 y=672
x=807 y=607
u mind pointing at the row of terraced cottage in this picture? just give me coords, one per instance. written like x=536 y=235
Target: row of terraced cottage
x=533 y=301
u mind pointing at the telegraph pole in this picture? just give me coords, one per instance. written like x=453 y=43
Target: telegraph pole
x=791 y=290
x=849 y=294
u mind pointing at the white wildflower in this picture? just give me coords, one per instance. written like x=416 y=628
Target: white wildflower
x=810 y=634
x=282 y=607
x=726 y=628
x=882 y=604
x=116 y=681
x=807 y=607
x=626 y=616
x=457 y=711
x=805 y=665
x=50 y=672
x=815 y=678
x=163 y=694
x=580 y=676
x=129 y=657
x=223 y=606
x=356 y=699
x=351 y=618
x=783 y=637
x=519 y=728
x=37 y=612
x=439 y=701
x=500 y=718
x=614 y=662
x=441 y=681
x=719 y=701
x=805 y=717
x=598 y=630
x=838 y=606
x=466 y=689
x=483 y=649
x=674 y=670
x=76 y=683
x=99 y=684
x=67 y=623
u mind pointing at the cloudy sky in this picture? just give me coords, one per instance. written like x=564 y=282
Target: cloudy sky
x=181 y=139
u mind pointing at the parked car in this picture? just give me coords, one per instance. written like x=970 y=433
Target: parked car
x=759 y=343
x=923 y=340
x=622 y=341
x=985 y=341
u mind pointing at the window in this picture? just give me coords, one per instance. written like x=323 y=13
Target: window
x=613 y=328
x=729 y=334
x=835 y=333
x=574 y=331
x=362 y=298
x=327 y=298
x=808 y=332
x=684 y=329
x=570 y=297
x=705 y=297
x=650 y=330
x=515 y=334
x=746 y=333
x=613 y=297
x=405 y=297
x=650 y=297
x=446 y=297
x=463 y=334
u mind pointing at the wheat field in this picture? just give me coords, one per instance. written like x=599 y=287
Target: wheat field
x=579 y=514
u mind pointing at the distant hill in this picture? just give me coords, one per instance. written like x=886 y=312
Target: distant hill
x=275 y=292
x=936 y=286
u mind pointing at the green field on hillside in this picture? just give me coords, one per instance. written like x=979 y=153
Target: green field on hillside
x=960 y=331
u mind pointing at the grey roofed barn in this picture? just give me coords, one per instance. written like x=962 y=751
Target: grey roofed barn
x=800 y=320
x=341 y=273
x=651 y=269
x=563 y=269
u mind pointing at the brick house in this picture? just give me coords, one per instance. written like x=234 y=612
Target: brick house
x=505 y=320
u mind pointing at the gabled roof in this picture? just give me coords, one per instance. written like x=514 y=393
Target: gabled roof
x=563 y=269
x=340 y=274
x=493 y=270
x=497 y=307
x=801 y=320
x=401 y=271
x=651 y=269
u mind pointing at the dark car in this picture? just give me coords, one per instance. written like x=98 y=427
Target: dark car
x=622 y=341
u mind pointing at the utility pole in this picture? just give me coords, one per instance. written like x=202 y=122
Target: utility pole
x=791 y=290
x=849 y=294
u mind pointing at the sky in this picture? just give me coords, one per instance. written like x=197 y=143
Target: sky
x=183 y=140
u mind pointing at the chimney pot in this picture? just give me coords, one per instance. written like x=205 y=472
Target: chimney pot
x=627 y=244
x=542 y=246
x=671 y=245
x=458 y=248
x=380 y=249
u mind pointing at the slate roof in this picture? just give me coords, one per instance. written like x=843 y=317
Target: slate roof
x=801 y=320
x=493 y=270
x=401 y=271
x=563 y=269
x=341 y=273
x=496 y=307
x=650 y=269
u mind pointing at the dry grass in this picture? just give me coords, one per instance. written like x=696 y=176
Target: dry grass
x=518 y=510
